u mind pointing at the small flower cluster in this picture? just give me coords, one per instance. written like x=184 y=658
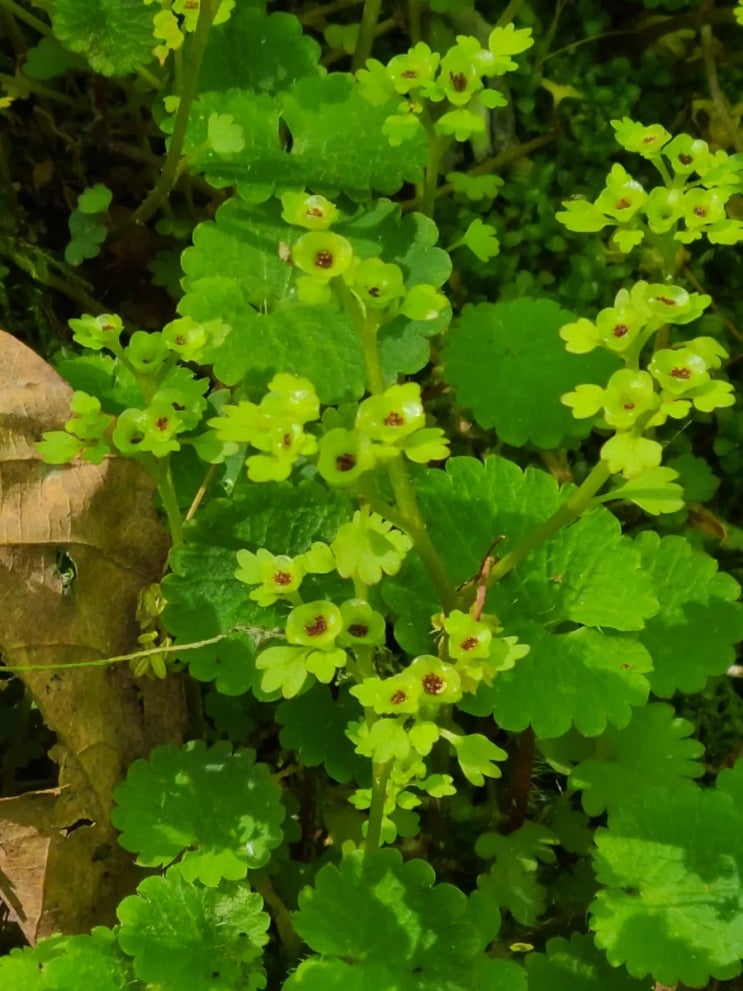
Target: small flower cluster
x=635 y=400
x=275 y=426
x=385 y=427
x=323 y=638
x=322 y=256
x=319 y=633
x=691 y=203
x=458 y=78
x=173 y=397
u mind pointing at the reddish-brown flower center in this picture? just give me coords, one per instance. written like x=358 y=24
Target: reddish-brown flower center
x=680 y=373
x=358 y=629
x=620 y=330
x=648 y=139
x=317 y=627
x=458 y=81
x=286 y=440
x=324 y=259
x=393 y=419
x=700 y=211
x=398 y=697
x=410 y=74
x=666 y=300
x=345 y=462
x=628 y=406
x=685 y=159
x=161 y=423
x=433 y=684
x=282 y=578
x=468 y=643
x=180 y=339
x=375 y=292
x=622 y=204
x=314 y=211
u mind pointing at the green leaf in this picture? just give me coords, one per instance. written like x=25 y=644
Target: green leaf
x=513 y=877
x=224 y=135
x=481 y=239
x=691 y=637
x=652 y=751
x=577 y=966
x=507 y=363
x=655 y=491
x=319 y=113
x=95 y=199
x=203 y=596
x=314 y=725
x=115 y=36
x=696 y=477
x=383 y=923
x=93 y=961
x=221 y=808
x=49 y=59
x=257 y=51
x=673 y=902
x=598 y=678
x=226 y=929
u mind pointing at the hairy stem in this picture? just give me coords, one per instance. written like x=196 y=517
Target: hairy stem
x=380 y=776
x=173 y=164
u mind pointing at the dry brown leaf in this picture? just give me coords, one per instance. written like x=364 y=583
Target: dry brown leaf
x=102 y=517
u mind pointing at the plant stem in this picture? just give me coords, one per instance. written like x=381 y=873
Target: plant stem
x=570 y=510
x=713 y=83
x=164 y=478
x=414 y=21
x=437 y=148
x=521 y=773
x=380 y=776
x=365 y=39
x=23 y=15
x=173 y=164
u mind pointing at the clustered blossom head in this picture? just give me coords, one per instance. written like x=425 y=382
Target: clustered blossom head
x=635 y=400
x=422 y=75
x=691 y=203
x=386 y=426
x=275 y=427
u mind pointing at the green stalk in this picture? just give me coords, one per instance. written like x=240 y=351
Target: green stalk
x=23 y=15
x=414 y=21
x=380 y=776
x=569 y=511
x=166 y=489
x=173 y=164
x=437 y=148
x=365 y=39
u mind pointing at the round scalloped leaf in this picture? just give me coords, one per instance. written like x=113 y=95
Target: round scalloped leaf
x=385 y=914
x=587 y=573
x=204 y=599
x=673 y=903
x=691 y=638
x=584 y=678
x=577 y=966
x=187 y=938
x=652 y=751
x=484 y=973
x=254 y=50
x=234 y=267
x=507 y=364
x=88 y=963
x=319 y=113
x=115 y=36
x=220 y=807
x=23 y=969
